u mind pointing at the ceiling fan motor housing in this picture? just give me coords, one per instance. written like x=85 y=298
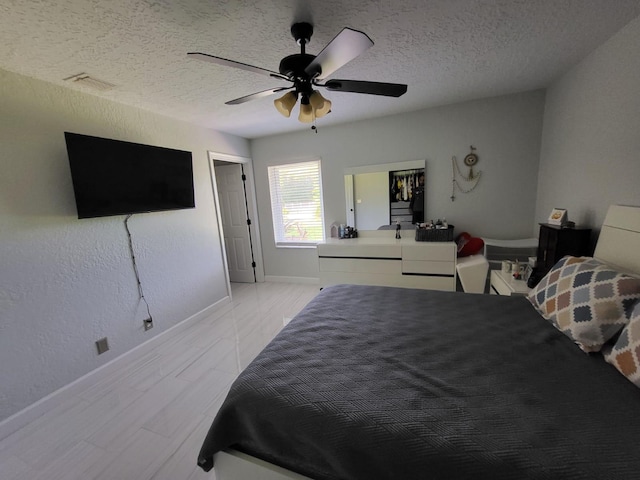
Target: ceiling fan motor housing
x=294 y=66
x=302 y=32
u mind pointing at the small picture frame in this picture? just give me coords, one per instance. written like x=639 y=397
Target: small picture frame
x=558 y=216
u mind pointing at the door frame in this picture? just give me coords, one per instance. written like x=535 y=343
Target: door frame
x=252 y=208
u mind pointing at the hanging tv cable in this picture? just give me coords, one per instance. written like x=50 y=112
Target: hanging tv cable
x=148 y=322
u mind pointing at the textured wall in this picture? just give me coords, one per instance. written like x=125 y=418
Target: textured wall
x=591 y=136
x=505 y=130
x=64 y=282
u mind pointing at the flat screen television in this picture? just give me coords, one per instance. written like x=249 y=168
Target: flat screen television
x=113 y=177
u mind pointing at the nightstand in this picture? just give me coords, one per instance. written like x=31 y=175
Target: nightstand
x=505 y=284
x=555 y=242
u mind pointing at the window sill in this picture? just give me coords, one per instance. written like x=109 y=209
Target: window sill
x=297 y=245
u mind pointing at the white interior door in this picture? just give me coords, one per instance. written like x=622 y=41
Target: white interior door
x=233 y=207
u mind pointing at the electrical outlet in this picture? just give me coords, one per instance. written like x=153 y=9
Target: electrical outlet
x=102 y=345
x=148 y=323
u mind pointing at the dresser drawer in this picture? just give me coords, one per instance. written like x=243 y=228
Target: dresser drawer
x=357 y=265
x=428 y=267
x=361 y=251
x=360 y=278
x=447 y=283
x=430 y=251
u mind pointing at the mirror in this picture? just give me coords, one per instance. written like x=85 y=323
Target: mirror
x=379 y=195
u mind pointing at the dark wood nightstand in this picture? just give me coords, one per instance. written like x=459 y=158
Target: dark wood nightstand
x=555 y=242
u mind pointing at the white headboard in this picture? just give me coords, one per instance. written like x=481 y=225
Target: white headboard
x=619 y=241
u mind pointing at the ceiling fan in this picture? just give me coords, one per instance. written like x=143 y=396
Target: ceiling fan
x=307 y=71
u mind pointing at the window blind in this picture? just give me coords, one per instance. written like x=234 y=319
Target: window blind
x=296 y=203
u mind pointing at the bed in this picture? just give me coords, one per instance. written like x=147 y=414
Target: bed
x=392 y=383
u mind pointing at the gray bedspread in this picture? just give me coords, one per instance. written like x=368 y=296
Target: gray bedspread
x=391 y=383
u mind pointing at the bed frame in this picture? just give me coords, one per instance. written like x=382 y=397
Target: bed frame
x=620 y=238
x=234 y=465
x=618 y=245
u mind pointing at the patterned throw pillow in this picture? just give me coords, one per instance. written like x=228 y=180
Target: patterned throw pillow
x=625 y=354
x=586 y=300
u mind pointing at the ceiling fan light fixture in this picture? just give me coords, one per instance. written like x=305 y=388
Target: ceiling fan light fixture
x=306 y=111
x=286 y=103
x=321 y=106
x=316 y=100
x=325 y=109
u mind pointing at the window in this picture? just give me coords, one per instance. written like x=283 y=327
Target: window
x=296 y=203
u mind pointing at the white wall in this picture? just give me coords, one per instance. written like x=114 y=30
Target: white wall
x=590 y=156
x=64 y=282
x=505 y=130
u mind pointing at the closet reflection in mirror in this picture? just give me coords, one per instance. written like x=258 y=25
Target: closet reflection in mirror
x=378 y=196
x=406 y=197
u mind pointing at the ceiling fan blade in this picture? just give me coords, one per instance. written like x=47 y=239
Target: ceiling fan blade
x=346 y=46
x=254 y=96
x=372 y=88
x=232 y=63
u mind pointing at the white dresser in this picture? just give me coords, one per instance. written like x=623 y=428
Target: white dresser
x=387 y=261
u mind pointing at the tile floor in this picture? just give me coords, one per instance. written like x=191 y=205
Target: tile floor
x=148 y=419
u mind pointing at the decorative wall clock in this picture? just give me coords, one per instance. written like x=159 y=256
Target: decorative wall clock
x=470 y=160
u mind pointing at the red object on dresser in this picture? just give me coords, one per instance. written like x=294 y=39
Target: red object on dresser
x=468 y=245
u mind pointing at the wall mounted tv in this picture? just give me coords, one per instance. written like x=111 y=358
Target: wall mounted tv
x=112 y=177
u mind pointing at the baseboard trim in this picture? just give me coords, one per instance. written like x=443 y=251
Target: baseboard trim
x=18 y=420
x=302 y=280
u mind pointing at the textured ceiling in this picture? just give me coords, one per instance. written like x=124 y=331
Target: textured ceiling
x=445 y=50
